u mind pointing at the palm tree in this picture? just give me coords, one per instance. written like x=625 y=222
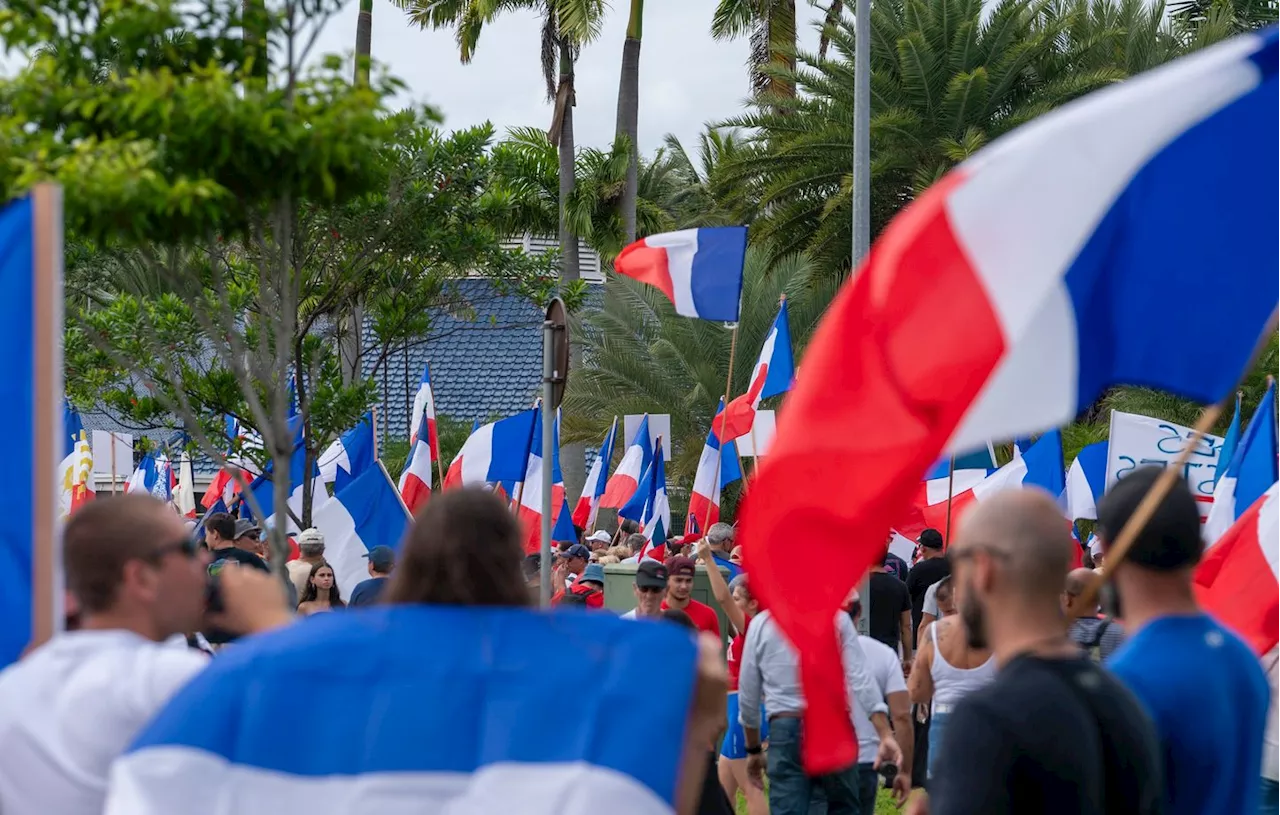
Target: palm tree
x=772 y=26
x=629 y=114
x=946 y=80
x=702 y=197
x=640 y=356
x=364 y=42
x=566 y=26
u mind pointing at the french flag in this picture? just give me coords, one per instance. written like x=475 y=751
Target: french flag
x=635 y=461
x=184 y=492
x=1065 y=219
x=224 y=486
x=1229 y=443
x=1238 y=581
x=264 y=492
x=584 y=514
x=704 y=500
x=649 y=506
x=942 y=483
x=349 y=455
x=1086 y=481
x=773 y=374
x=424 y=407
x=487 y=682
x=494 y=452
x=367 y=514
x=144 y=476
x=1251 y=471
x=699 y=270
x=415 y=481
x=530 y=509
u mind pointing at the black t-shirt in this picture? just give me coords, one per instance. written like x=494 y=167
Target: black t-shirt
x=1048 y=736
x=923 y=575
x=216 y=636
x=889 y=598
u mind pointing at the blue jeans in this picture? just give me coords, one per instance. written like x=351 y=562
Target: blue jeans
x=868 y=786
x=937 y=726
x=791 y=791
x=1269 y=800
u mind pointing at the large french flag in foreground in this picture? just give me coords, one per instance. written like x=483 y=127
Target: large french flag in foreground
x=1238 y=581
x=773 y=374
x=699 y=270
x=1003 y=302
x=704 y=500
x=635 y=461
x=584 y=514
x=368 y=513
x=1251 y=472
x=494 y=452
x=497 y=745
x=31 y=411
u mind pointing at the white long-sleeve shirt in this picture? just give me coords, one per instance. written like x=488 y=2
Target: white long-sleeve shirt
x=771 y=673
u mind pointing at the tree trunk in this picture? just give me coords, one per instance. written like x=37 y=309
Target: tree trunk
x=782 y=45
x=364 y=43
x=628 y=114
x=572 y=456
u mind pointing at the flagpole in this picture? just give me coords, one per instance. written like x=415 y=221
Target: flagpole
x=112 y=435
x=951 y=482
x=373 y=428
x=431 y=386
x=613 y=434
x=724 y=417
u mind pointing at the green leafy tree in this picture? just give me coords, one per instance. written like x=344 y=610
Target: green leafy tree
x=771 y=25
x=700 y=194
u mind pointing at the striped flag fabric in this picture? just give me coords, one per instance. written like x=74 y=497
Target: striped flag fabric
x=365 y=515
x=584 y=514
x=699 y=270
x=1086 y=481
x=1251 y=472
x=32 y=403
x=501 y=748
x=1049 y=252
x=704 y=499
x=424 y=408
x=635 y=461
x=415 y=481
x=775 y=370
x=349 y=455
x=494 y=452
x=1238 y=580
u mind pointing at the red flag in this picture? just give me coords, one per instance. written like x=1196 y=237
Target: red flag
x=1236 y=581
x=871 y=411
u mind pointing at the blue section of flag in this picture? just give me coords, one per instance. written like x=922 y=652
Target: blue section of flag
x=261 y=486
x=1093 y=460
x=1229 y=443
x=606 y=456
x=983 y=458
x=730 y=462
x=643 y=439
x=374 y=505
x=512 y=438
x=17 y=415
x=1255 y=462
x=1043 y=460
x=564 y=529
x=716 y=275
x=358 y=444
x=782 y=366
x=72 y=428
x=634 y=508
x=657 y=508
x=480 y=699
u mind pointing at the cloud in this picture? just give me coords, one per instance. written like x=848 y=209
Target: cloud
x=686 y=77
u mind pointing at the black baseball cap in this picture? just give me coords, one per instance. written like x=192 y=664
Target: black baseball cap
x=576 y=550
x=931 y=539
x=382 y=558
x=651 y=574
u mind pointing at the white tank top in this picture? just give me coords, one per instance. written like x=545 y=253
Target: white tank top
x=951 y=683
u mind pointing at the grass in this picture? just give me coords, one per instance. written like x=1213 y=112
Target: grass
x=884 y=804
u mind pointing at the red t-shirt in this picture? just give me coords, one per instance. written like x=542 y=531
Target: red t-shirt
x=703 y=616
x=735 y=656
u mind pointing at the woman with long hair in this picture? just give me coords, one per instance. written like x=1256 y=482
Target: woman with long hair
x=465 y=549
x=322 y=591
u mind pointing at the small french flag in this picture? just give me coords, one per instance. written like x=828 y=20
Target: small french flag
x=773 y=374
x=699 y=270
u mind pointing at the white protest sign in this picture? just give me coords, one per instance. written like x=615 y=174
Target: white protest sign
x=109 y=448
x=1138 y=441
x=760 y=439
x=659 y=425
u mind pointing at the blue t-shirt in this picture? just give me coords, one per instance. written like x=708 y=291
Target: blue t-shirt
x=1208 y=697
x=734 y=569
x=367 y=592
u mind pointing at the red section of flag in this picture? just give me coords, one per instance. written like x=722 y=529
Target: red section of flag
x=646 y=264
x=739 y=415
x=1237 y=585
x=883 y=386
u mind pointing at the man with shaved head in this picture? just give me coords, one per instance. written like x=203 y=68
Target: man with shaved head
x=1099 y=637
x=1053 y=733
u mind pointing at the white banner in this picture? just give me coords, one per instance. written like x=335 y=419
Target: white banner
x=659 y=425
x=1138 y=441
x=104 y=445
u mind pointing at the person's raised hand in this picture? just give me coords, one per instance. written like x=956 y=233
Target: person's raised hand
x=252 y=601
x=704 y=548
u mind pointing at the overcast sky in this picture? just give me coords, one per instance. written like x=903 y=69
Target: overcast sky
x=686 y=77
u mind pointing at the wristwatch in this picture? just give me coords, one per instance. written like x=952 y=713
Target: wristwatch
x=755 y=751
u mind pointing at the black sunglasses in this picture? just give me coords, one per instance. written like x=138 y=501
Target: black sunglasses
x=188 y=546
x=650 y=589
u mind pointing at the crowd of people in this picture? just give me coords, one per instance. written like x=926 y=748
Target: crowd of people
x=989 y=676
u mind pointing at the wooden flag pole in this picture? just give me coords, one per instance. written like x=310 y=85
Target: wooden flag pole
x=951 y=482
x=112 y=436
x=1150 y=503
x=431 y=385
x=47 y=394
x=724 y=417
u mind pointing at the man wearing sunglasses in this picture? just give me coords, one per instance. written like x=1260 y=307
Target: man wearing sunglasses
x=71 y=706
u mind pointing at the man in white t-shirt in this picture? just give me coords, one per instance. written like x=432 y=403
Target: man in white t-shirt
x=71 y=706
x=885 y=670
